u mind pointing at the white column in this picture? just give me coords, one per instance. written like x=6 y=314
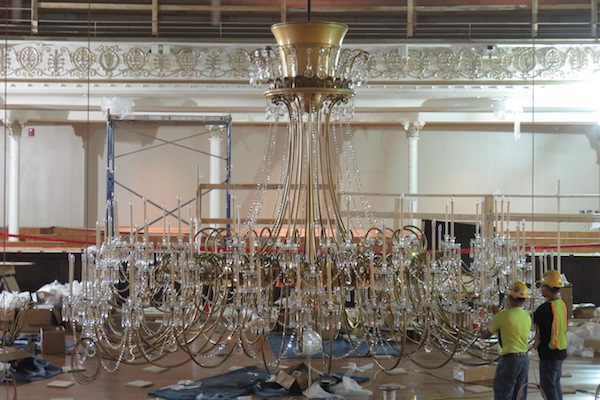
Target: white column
x=14 y=145
x=413 y=130
x=216 y=170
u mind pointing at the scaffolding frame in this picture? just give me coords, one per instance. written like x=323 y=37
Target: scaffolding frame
x=112 y=122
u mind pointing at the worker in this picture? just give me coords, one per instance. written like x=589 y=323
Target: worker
x=513 y=326
x=550 y=323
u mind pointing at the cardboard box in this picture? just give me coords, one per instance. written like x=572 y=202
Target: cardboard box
x=566 y=294
x=52 y=339
x=593 y=344
x=466 y=373
x=285 y=380
x=584 y=312
x=296 y=377
x=8 y=354
x=38 y=317
x=43 y=315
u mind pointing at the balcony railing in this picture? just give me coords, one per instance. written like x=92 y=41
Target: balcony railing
x=375 y=20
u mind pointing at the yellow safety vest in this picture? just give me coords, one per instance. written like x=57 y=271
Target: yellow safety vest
x=558 y=336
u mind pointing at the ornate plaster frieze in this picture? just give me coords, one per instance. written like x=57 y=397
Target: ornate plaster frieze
x=189 y=62
x=504 y=64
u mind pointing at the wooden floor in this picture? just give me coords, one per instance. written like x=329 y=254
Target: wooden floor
x=581 y=376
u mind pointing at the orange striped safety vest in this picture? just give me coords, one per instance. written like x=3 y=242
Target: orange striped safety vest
x=558 y=336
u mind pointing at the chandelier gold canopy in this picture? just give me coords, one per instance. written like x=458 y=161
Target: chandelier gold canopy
x=300 y=42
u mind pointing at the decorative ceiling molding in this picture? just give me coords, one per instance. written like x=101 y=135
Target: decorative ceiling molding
x=134 y=62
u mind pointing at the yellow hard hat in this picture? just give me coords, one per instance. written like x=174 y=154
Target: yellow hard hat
x=553 y=279
x=518 y=290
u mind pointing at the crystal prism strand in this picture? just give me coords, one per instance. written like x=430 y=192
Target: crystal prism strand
x=308 y=69
x=322 y=58
x=265 y=175
x=353 y=175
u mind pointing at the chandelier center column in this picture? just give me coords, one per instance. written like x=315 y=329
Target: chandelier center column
x=14 y=134
x=413 y=132
x=216 y=176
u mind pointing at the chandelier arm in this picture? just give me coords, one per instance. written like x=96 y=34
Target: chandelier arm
x=265 y=176
x=209 y=342
x=286 y=164
x=279 y=218
x=263 y=245
x=396 y=341
x=105 y=347
x=285 y=303
x=245 y=344
x=80 y=374
x=297 y=167
x=182 y=338
x=295 y=174
x=223 y=357
x=141 y=346
x=212 y=309
x=155 y=341
x=439 y=347
x=270 y=366
x=349 y=328
x=311 y=190
x=327 y=199
x=415 y=298
x=329 y=170
x=205 y=232
x=212 y=239
x=451 y=332
x=379 y=360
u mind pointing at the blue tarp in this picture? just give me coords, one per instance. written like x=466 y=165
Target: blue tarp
x=33 y=369
x=226 y=386
x=243 y=381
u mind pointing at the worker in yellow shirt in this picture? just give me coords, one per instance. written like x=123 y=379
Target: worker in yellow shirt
x=512 y=325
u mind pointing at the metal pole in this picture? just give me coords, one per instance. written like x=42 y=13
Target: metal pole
x=15 y=128
x=228 y=174
x=110 y=168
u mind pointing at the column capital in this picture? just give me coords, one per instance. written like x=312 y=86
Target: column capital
x=413 y=128
x=14 y=127
x=215 y=131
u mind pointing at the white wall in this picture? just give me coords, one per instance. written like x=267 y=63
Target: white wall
x=54 y=185
x=3 y=174
x=52 y=176
x=466 y=162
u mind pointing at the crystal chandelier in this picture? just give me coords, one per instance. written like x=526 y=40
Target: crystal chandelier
x=312 y=275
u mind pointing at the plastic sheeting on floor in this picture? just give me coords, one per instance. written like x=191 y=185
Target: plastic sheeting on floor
x=226 y=386
x=243 y=381
x=33 y=369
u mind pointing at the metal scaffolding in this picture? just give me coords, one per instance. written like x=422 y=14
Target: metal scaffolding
x=112 y=125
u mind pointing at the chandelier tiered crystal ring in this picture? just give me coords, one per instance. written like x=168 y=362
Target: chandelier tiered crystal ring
x=319 y=271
